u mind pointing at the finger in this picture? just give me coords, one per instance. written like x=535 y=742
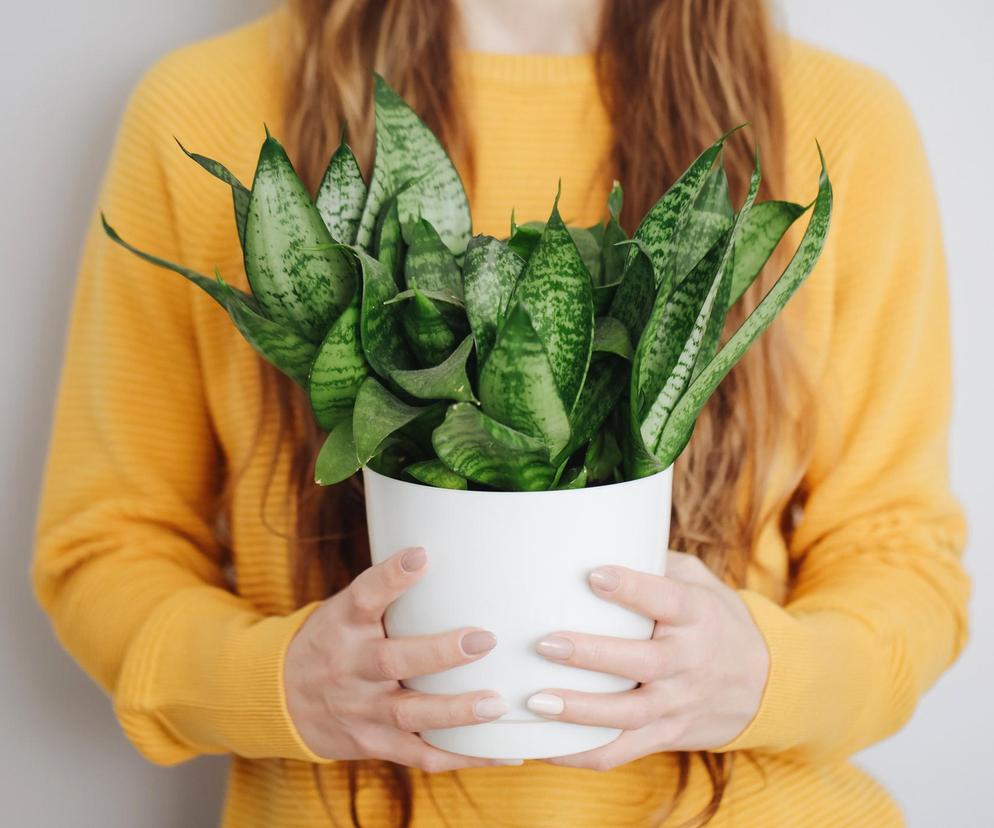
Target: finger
x=374 y=589
x=628 y=710
x=688 y=568
x=408 y=749
x=395 y=659
x=641 y=661
x=415 y=712
x=654 y=596
x=626 y=748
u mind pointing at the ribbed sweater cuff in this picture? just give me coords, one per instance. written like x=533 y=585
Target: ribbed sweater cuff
x=205 y=675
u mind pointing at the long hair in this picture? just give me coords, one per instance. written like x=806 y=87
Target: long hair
x=699 y=67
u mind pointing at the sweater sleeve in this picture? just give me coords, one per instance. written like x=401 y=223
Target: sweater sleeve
x=126 y=563
x=877 y=605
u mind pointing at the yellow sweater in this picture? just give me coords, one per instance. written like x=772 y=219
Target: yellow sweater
x=160 y=397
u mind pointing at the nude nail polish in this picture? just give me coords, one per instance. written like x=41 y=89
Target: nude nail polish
x=546 y=704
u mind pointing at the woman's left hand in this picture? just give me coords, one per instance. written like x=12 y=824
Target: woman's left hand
x=701 y=674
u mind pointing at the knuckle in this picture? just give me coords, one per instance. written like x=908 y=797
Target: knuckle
x=651 y=661
x=362 y=599
x=401 y=715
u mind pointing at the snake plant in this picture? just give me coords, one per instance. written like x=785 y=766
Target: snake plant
x=558 y=357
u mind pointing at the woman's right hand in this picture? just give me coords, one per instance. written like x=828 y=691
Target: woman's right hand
x=342 y=676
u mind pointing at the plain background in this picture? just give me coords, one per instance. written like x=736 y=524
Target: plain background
x=66 y=71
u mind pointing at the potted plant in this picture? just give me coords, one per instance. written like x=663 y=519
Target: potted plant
x=515 y=405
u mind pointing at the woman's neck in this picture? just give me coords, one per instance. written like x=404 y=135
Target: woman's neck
x=561 y=27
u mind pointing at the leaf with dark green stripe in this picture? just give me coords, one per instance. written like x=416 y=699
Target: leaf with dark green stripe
x=338 y=369
x=446 y=381
x=377 y=415
x=429 y=263
x=428 y=333
x=490 y=273
x=603 y=456
x=388 y=242
x=573 y=479
x=634 y=297
x=681 y=422
x=481 y=449
x=406 y=150
x=299 y=277
x=434 y=295
x=605 y=383
x=613 y=252
x=286 y=350
x=604 y=297
x=611 y=336
x=240 y=194
x=555 y=288
x=693 y=344
x=342 y=195
x=706 y=221
x=658 y=230
x=761 y=232
x=379 y=322
x=525 y=238
x=436 y=473
x=518 y=387
x=337 y=460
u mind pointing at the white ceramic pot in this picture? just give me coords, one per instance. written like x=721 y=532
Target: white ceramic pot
x=516 y=563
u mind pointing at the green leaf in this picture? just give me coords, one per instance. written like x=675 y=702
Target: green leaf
x=524 y=238
x=481 y=449
x=446 y=381
x=555 y=288
x=338 y=369
x=659 y=229
x=681 y=422
x=573 y=479
x=337 y=460
x=299 y=277
x=407 y=150
x=589 y=249
x=388 y=241
x=635 y=295
x=613 y=253
x=760 y=234
x=688 y=333
x=379 y=323
x=490 y=273
x=436 y=473
x=434 y=295
x=518 y=387
x=240 y=194
x=342 y=195
x=601 y=392
x=604 y=297
x=703 y=223
x=430 y=264
x=603 y=456
x=428 y=333
x=378 y=414
x=611 y=336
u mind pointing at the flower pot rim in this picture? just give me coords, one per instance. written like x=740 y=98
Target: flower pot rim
x=548 y=493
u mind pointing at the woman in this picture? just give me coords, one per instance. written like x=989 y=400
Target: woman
x=226 y=602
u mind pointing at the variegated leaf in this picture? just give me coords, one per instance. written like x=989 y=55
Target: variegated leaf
x=634 y=297
x=406 y=150
x=446 y=381
x=481 y=449
x=589 y=249
x=555 y=288
x=338 y=369
x=428 y=334
x=760 y=234
x=240 y=194
x=436 y=473
x=379 y=322
x=342 y=195
x=337 y=460
x=518 y=386
x=613 y=252
x=681 y=422
x=611 y=336
x=601 y=392
x=299 y=277
x=490 y=273
x=429 y=263
x=377 y=415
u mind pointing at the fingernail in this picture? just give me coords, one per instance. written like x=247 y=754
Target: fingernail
x=509 y=761
x=492 y=707
x=413 y=559
x=546 y=704
x=478 y=641
x=555 y=647
x=605 y=580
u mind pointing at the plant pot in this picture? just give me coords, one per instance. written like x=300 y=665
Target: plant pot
x=516 y=563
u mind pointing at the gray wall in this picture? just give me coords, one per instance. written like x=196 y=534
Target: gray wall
x=66 y=69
